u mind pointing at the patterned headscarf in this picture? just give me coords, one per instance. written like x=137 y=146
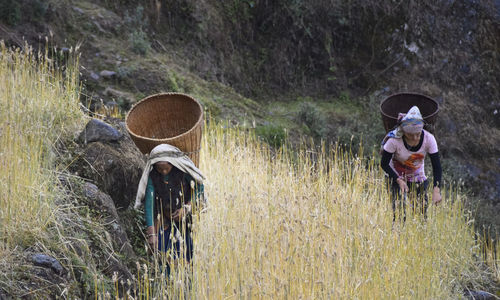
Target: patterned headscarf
x=411 y=122
x=174 y=156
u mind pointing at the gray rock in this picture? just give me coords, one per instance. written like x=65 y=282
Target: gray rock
x=107 y=74
x=78 y=10
x=3 y=295
x=480 y=295
x=126 y=98
x=97 y=130
x=99 y=199
x=115 y=168
x=94 y=76
x=46 y=261
x=111 y=104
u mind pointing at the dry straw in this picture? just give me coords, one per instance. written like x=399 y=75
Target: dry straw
x=316 y=225
x=311 y=225
x=38 y=105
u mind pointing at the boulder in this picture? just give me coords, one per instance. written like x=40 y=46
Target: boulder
x=46 y=261
x=3 y=295
x=97 y=130
x=114 y=165
x=119 y=96
x=480 y=295
x=107 y=74
x=94 y=76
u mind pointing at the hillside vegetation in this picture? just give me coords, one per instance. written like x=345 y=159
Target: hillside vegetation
x=280 y=224
x=294 y=68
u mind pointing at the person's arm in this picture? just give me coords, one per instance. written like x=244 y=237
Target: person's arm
x=432 y=149
x=384 y=163
x=151 y=235
x=437 y=171
x=148 y=203
x=437 y=174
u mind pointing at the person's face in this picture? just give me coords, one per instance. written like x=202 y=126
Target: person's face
x=413 y=138
x=163 y=167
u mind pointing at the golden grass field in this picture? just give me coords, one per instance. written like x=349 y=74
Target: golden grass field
x=38 y=106
x=315 y=223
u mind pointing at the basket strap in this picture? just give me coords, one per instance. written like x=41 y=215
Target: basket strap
x=173 y=153
x=193 y=152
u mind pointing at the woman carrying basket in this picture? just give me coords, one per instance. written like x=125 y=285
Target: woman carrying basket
x=403 y=154
x=170 y=184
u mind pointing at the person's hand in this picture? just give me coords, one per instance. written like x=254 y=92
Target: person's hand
x=402 y=185
x=179 y=214
x=182 y=212
x=152 y=238
x=153 y=242
x=436 y=195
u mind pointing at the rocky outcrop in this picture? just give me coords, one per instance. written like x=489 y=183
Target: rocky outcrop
x=114 y=164
x=100 y=224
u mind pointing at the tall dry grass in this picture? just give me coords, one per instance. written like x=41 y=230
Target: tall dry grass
x=301 y=228
x=277 y=226
x=39 y=103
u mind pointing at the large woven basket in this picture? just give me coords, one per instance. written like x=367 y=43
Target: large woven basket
x=167 y=118
x=391 y=106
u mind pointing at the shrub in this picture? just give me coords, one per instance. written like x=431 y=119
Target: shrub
x=172 y=82
x=139 y=42
x=10 y=12
x=138 y=38
x=272 y=134
x=310 y=116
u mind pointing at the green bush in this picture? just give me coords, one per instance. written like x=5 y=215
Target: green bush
x=38 y=9
x=15 y=12
x=10 y=12
x=310 y=116
x=272 y=134
x=139 y=42
x=172 y=82
x=138 y=38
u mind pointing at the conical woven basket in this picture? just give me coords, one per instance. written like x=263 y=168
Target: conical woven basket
x=167 y=118
x=391 y=106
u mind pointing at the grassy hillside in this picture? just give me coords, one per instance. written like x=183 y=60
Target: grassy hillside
x=39 y=106
x=294 y=67
x=279 y=224
x=40 y=110
x=312 y=222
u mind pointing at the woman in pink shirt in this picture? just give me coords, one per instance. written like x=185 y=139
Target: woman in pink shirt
x=403 y=155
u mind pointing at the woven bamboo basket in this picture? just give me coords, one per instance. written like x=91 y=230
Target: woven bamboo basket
x=167 y=118
x=391 y=106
